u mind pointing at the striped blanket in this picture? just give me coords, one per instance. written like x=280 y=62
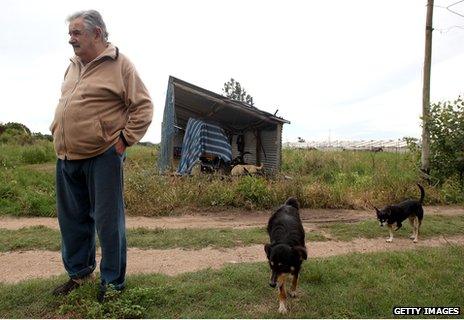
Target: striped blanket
x=200 y=138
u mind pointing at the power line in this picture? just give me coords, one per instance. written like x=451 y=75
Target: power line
x=448 y=29
x=448 y=8
x=452 y=11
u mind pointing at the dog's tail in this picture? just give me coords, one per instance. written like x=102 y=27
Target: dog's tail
x=293 y=203
x=422 y=193
x=260 y=167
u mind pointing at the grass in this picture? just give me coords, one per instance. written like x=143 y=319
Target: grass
x=352 y=286
x=199 y=238
x=432 y=226
x=27 y=192
x=13 y=155
x=319 y=180
x=32 y=238
x=336 y=179
x=194 y=238
x=40 y=237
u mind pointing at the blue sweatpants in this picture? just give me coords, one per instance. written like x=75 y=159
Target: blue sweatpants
x=90 y=198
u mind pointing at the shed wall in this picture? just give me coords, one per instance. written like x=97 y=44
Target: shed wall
x=167 y=131
x=272 y=145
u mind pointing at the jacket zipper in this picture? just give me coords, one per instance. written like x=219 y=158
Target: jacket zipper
x=64 y=111
x=81 y=73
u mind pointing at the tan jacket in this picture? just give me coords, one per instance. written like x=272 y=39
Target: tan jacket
x=99 y=101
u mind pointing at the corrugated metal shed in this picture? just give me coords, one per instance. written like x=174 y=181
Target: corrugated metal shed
x=261 y=130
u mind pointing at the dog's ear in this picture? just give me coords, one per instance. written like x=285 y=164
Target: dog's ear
x=376 y=210
x=301 y=251
x=293 y=202
x=388 y=211
x=267 y=249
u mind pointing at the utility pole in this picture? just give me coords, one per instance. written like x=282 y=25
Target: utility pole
x=425 y=156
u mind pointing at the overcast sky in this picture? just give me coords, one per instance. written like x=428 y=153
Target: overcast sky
x=348 y=69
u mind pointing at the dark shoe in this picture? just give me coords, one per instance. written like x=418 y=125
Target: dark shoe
x=65 y=288
x=101 y=295
x=108 y=293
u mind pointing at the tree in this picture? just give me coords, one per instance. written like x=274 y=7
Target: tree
x=18 y=133
x=233 y=90
x=446 y=127
x=16 y=126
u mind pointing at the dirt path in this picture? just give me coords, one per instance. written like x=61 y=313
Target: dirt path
x=19 y=266
x=230 y=219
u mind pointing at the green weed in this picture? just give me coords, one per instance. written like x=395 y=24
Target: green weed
x=44 y=238
x=337 y=179
x=351 y=286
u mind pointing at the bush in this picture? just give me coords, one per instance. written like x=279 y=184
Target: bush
x=18 y=133
x=13 y=154
x=254 y=191
x=16 y=136
x=451 y=191
x=16 y=126
x=37 y=154
x=26 y=192
x=446 y=125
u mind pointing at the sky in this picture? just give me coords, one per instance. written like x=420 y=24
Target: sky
x=339 y=70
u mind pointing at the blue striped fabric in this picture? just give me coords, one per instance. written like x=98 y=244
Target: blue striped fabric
x=201 y=137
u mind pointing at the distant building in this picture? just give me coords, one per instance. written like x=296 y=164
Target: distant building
x=361 y=145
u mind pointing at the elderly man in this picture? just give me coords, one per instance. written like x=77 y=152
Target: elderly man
x=104 y=108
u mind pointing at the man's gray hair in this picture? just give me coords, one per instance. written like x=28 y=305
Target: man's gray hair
x=92 y=20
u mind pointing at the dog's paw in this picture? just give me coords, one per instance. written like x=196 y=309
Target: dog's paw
x=412 y=237
x=415 y=240
x=389 y=240
x=292 y=294
x=282 y=308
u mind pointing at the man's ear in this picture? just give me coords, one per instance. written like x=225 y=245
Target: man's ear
x=98 y=32
x=267 y=249
x=301 y=251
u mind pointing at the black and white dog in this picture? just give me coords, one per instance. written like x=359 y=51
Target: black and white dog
x=286 y=250
x=397 y=213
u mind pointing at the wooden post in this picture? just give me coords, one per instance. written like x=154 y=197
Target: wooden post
x=425 y=156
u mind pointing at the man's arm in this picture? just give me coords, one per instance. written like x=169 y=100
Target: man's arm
x=121 y=144
x=140 y=107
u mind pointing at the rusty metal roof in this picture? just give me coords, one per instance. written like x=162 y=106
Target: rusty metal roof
x=193 y=101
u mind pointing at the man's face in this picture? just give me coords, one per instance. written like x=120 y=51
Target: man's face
x=82 y=40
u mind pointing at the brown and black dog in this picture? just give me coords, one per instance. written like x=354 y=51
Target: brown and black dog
x=395 y=214
x=286 y=250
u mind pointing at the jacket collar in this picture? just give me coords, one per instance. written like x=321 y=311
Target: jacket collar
x=111 y=52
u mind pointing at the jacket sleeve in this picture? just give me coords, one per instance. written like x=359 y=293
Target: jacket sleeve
x=139 y=105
